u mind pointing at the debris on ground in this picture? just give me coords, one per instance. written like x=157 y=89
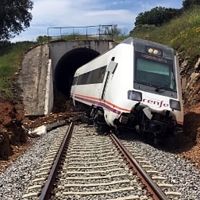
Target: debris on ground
x=41 y=130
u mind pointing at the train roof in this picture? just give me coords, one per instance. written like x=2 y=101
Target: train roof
x=140 y=43
x=134 y=41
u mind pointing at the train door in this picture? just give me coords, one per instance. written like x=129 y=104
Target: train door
x=75 y=81
x=109 y=73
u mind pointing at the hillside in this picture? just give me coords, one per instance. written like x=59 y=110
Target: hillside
x=181 y=33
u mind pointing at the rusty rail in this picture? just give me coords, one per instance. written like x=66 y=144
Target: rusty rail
x=153 y=188
x=46 y=191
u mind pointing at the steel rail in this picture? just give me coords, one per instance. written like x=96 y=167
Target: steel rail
x=47 y=189
x=153 y=188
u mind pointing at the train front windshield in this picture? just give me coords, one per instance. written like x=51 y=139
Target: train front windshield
x=156 y=73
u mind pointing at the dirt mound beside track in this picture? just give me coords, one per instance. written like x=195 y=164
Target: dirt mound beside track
x=11 y=132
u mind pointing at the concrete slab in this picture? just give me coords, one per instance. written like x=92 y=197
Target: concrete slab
x=32 y=80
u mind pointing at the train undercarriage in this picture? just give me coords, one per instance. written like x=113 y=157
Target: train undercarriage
x=150 y=125
x=157 y=126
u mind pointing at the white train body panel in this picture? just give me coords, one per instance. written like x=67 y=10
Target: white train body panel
x=117 y=89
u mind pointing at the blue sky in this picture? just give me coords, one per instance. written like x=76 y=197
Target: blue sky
x=59 y=13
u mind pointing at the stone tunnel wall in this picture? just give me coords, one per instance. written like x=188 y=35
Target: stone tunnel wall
x=33 y=80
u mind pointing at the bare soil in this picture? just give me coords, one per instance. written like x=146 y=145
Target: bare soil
x=14 y=141
x=191 y=147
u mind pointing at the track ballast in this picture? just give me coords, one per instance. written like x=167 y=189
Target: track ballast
x=92 y=167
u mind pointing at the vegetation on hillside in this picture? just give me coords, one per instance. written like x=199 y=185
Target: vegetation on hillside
x=157 y=16
x=11 y=56
x=187 y=4
x=181 y=33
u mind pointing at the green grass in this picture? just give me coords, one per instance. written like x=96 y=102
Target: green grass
x=182 y=33
x=11 y=57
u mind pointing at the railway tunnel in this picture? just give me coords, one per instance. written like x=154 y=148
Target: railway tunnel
x=49 y=67
x=68 y=64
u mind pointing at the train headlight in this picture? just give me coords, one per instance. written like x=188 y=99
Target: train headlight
x=175 y=105
x=154 y=51
x=133 y=95
x=150 y=50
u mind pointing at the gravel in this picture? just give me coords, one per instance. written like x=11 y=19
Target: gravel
x=14 y=181
x=182 y=174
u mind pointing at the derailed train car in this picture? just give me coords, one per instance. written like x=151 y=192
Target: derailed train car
x=134 y=85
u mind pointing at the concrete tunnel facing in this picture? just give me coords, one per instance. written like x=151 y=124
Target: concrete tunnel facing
x=67 y=66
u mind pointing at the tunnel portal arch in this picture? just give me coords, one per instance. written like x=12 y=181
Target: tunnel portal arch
x=67 y=66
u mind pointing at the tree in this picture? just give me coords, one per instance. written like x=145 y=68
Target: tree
x=14 y=17
x=111 y=31
x=44 y=38
x=189 y=3
x=157 y=16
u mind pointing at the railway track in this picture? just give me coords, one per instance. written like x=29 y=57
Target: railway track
x=85 y=165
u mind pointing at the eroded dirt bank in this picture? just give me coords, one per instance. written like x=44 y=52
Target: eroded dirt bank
x=11 y=132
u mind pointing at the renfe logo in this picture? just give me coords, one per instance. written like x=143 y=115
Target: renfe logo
x=158 y=103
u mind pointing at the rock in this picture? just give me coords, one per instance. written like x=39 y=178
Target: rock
x=41 y=130
x=197 y=65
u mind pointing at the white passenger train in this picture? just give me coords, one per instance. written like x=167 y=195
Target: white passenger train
x=134 y=85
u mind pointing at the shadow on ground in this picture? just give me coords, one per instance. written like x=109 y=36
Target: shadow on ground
x=183 y=142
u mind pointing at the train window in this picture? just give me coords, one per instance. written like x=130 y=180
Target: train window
x=75 y=80
x=83 y=79
x=92 y=77
x=154 y=73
